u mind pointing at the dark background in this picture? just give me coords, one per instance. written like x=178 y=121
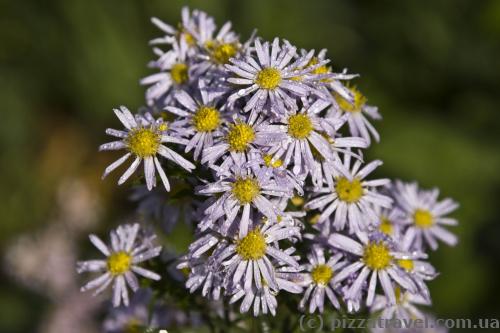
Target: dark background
x=432 y=67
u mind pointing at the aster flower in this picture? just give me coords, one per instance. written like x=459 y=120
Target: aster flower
x=311 y=143
x=122 y=259
x=270 y=76
x=239 y=189
x=174 y=73
x=424 y=215
x=200 y=118
x=357 y=113
x=318 y=280
x=145 y=140
x=375 y=256
x=252 y=259
x=405 y=307
x=240 y=137
x=352 y=198
x=388 y=222
x=187 y=30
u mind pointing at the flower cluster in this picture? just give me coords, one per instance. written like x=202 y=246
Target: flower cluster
x=282 y=200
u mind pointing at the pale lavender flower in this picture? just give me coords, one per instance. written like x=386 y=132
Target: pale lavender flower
x=174 y=73
x=144 y=138
x=357 y=112
x=200 y=117
x=310 y=140
x=351 y=199
x=318 y=280
x=375 y=256
x=239 y=190
x=425 y=216
x=127 y=250
x=271 y=78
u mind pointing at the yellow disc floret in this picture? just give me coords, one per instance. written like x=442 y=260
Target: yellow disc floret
x=321 y=274
x=347 y=190
x=222 y=52
x=386 y=226
x=206 y=119
x=376 y=255
x=299 y=126
x=119 y=263
x=143 y=142
x=268 y=78
x=269 y=162
x=239 y=137
x=179 y=73
x=252 y=246
x=245 y=190
x=406 y=264
x=356 y=106
x=423 y=218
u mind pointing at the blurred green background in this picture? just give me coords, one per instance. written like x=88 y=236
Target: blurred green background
x=432 y=67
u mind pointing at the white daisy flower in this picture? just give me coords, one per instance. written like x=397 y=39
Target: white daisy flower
x=175 y=73
x=188 y=30
x=239 y=139
x=239 y=189
x=357 y=113
x=308 y=139
x=200 y=118
x=388 y=222
x=405 y=307
x=351 y=198
x=145 y=140
x=424 y=215
x=270 y=76
x=122 y=259
x=419 y=271
x=318 y=280
x=376 y=255
x=253 y=258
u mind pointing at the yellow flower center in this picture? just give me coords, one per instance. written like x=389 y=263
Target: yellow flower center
x=163 y=127
x=245 y=190
x=386 y=226
x=321 y=274
x=239 y=137
x=376 y=255
x=268 y=78
x=349 y=191
x=222 y=52
x=359 y=101
x=206 y=119
x=299 y=126
x=179 y=73
x=143 y=142
x=314 y=219
x=269 y=162
x=406 y=264
x=119 y=263
x=423 y=218
x=297 y=200
x=252 y=246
